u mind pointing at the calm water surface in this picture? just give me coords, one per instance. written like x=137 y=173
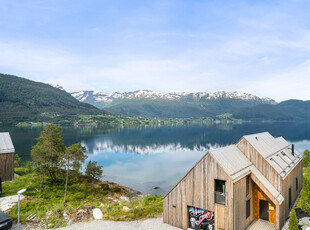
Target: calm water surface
x=143 y=158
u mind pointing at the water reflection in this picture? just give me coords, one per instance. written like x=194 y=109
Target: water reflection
x=144 y=158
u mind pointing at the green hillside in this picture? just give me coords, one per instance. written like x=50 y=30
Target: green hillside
x=185 y=108
x=25 y=100
x=290 y=110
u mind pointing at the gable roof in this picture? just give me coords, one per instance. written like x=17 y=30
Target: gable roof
x=277 y=151
x=231 y=159
x=6 y=145
x=266 y=144
x=237 y=166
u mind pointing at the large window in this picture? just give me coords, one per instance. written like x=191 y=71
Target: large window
x=296 y=183
x=219 y=192
x=247 y=185
x=248 y=208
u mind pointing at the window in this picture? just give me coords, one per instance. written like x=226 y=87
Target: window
x=247 y=185
x=219 y=192
x=248 y=208
x=296 y=183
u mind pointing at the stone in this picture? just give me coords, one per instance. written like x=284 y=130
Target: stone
x=124 y=198
x=126 y=209
x=97 y=214
x=8 y=202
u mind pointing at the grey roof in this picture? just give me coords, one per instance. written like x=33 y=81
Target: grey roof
x=277 y=151
x=6 y=145
x=231 y=159
x=266 y=144
x=237 y=166
x=274 y=192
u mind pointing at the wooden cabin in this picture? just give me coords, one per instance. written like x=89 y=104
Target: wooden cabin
x=6 y=157
x=256 y=181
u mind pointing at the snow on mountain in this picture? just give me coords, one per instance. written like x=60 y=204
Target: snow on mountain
x=107 y=98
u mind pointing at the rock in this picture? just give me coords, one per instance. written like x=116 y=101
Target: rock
x=48 y=214
x=8 y=202
x=80 y=216
x=124 y=198
x=97 y=214
x=126 y=209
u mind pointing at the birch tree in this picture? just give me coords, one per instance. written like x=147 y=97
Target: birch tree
x=74 y=157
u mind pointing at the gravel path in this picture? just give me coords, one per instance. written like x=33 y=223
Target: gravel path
x=149 y=224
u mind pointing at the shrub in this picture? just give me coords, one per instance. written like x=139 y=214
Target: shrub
x=306 y=158
x=293 y=222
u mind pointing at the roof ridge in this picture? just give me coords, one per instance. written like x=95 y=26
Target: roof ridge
x=221 y=148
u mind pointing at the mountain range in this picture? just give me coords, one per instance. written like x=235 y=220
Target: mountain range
x=25 y=100
x=147 y=103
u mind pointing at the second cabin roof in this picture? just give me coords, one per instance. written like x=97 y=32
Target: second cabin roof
x=277 y=151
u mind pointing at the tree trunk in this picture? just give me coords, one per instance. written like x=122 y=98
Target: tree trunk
x=94 y=184
x=67 y=176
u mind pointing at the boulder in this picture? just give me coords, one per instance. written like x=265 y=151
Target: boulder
x=97 y=214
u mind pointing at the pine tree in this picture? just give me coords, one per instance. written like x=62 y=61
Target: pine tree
x=293 y=222
x=46 y=154
x=93 y=172
x=74 y=157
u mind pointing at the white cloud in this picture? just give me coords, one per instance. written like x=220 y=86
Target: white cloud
x=291 y=84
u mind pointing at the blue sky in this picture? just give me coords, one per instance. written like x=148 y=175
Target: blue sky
x=259 y=47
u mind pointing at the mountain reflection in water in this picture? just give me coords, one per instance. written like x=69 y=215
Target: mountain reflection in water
x=144 y=158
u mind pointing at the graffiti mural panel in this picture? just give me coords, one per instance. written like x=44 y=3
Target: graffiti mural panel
x=200 y=219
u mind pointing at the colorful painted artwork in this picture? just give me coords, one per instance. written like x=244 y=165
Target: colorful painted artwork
x=200 y=219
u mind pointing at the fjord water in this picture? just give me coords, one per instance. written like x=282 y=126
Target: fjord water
x=148 y=157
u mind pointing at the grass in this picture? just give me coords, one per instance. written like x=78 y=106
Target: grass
x=46 y=201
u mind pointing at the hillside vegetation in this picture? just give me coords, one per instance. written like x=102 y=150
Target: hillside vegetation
x=24 y=100
x=189 y=108
x=290 y=110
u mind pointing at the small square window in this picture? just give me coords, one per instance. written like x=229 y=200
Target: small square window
x=248 y=208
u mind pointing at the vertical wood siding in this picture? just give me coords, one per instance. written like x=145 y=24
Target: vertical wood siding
x=6 y=166
x=197 y=189
x=290 y=181
x=260 y=163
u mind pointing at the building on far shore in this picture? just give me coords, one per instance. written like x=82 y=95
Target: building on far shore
x=6 y=157
x=252 y=183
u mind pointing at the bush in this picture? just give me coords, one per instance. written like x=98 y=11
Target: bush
x=306 y=158
x=293 y=222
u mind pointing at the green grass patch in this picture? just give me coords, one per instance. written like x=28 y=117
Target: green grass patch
x=46 y=201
